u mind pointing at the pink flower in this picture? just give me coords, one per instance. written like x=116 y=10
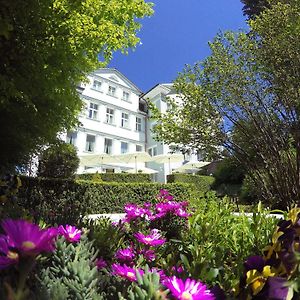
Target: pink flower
x=8 y=257
x=149 y=254
x=188 y=290
x=153 y=239
x=125 y=271
x=100 y=263
x=133 y=212
x=71 y=233
x=28 y=238
x=125 y=255
x=164 y=195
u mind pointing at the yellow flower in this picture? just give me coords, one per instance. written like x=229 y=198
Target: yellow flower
x=257 y=280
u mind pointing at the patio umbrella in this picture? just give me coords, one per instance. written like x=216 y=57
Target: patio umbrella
x=143 y=170
x=134 y=157
x=97 y=159
x=168 y=158
x=192 y=165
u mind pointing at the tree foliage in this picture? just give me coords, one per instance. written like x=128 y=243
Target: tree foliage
x=46 y=49
x=253 y=8
x=251 y=83
x=60 y=160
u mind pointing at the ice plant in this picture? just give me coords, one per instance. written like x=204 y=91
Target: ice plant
x=7 y=257
x=28 y=238
x=125 y=255
x=153 y=239
x=133 y=212
x=101 y=263
x=188 y=290
x=71 y=233
x=125 y=271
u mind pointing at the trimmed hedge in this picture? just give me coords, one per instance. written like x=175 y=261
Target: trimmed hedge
x=116 y=177
x=201 y=183
x=64 y=201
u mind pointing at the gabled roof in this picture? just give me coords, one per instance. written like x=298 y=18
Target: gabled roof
x=164 y=88
x=115 y=74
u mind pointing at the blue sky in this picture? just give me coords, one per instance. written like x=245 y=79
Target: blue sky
x=177 y=34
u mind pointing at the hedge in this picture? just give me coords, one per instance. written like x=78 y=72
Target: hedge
x=200 y=183
x=64 y=201
x=116 y=177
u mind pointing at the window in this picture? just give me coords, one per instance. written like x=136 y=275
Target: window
x=97 y=85
x=93 y=111
x=107 y=146
x=124 y=147
x=125 y=96
x=125 y=120
x=111 y=90
x=110 y=116
x=71 y=138
x=138 y=124
x=152 y=151
x=138 y=148
x=90 y=143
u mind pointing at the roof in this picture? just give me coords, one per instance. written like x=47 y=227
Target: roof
x=118 y=73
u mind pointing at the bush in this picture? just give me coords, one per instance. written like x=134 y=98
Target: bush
x=116 y=177
x=60 y=160
x=200 y=183
x=229 y=171
x=64 y=201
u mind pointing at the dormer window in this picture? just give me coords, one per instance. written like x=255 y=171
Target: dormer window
x=111 y=90
x=97 y=85
x=125 y=96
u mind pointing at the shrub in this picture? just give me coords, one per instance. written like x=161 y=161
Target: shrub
x=64 y=201
x=116 y=177
x=200 y=183
x=60 y=160
x=229 y=172
x=218 y=242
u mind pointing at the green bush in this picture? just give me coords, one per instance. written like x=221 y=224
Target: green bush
x=117 y=177
x=64 y=201
x=229 y=172
x=218 y=242
x=60 y=160
x=200 y=183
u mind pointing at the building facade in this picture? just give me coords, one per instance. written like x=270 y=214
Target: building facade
x=114 y=120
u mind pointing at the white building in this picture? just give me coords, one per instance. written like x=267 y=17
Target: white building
x=115 y=120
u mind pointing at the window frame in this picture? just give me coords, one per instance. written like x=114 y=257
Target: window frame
x=110 y=116
x=90 y=145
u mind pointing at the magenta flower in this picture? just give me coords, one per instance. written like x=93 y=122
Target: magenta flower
x=125 y=255
x=188 y=290
x=149 y=254
x=7 y=257
x=101 y=263
x=176 y=208
x=164 y=195
x=28 y=238
x=133 y=212
x=125 y=271
x=153 y=239
x=71 y=233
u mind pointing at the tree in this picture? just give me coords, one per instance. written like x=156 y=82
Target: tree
x=60 y=160
x=253 y=8
x=251 y=82
x=46 y=49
